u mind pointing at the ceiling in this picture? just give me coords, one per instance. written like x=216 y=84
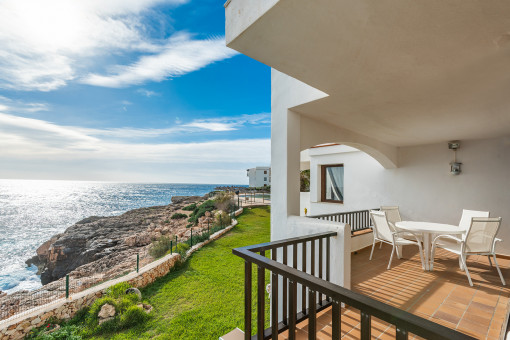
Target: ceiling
x=403 y=72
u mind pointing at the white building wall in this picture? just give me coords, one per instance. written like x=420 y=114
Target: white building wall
x=259 y=177
x=422 y=185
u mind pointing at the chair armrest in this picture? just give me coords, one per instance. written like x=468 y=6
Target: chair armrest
x=451 y=237
x=406 y=232
x=494 y=244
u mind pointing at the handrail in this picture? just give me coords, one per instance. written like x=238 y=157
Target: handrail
x=341 y=213
x=312 y=286
x=358 y=220
x=287 y=242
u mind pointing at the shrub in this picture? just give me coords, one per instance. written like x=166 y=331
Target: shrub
x=223 y=200
x=133 y=316
x=182 y=248
x=177 y=216
x=126 y=302
x=197 y=238
x=160 y=247
x=200 y=210
x=190 y=207
x=223 y=219
x=96 y=307
x=68 y=332
x=117 y=290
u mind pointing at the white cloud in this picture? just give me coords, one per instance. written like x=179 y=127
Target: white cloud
x=147 y=93
x=219 y=124
x=9 y=105
x=34 y=139
x=182 y=54
x=46 y=43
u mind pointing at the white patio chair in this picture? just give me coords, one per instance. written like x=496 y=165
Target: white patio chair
x=393 y=216
x=383 y=232
x=467 y=215
x=480 y=239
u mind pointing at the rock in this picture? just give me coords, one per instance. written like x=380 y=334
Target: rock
x=94 y=250
x=105 y=320
x=134 y=291
x=189 y=199
x=145 y=307
x=107 y=311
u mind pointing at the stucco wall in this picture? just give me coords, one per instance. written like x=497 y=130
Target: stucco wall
x=422 y=185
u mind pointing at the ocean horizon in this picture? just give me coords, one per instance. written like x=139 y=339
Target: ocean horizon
x=32 y=211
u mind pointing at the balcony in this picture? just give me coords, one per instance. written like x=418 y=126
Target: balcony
x=404 y=302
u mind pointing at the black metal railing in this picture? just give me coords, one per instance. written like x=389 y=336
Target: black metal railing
x=316 y=286
x=358 y=220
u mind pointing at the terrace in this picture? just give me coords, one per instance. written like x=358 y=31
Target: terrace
x=433 y=299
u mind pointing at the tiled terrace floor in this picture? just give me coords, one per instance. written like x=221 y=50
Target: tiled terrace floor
x=443 y=296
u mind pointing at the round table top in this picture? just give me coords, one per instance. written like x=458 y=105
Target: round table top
x=430 y=227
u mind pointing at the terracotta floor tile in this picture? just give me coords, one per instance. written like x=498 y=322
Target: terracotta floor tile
x=443 y=296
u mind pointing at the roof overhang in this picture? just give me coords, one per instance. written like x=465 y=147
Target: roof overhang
x=402 y=72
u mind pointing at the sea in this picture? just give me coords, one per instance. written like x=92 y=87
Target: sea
x=31 y=211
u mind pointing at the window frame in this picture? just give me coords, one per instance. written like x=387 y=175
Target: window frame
x=323 y=182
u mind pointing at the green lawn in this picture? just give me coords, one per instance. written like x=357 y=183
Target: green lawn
x=203 y=299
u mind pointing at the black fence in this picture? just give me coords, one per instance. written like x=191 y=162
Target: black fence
x=320 y=292
x=358 y=220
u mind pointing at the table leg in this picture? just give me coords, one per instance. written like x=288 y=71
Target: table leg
x=426 y=250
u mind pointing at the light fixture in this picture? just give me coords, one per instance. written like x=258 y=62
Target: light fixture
x=454 y=166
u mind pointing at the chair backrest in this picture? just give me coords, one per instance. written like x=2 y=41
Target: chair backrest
x=392 y=214
x=481 y=233
x=467 y=215
x=382 y=228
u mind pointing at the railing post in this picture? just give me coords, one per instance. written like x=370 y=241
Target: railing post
x=138 y=262
x=312 y=315
x=191 y=237
x=303 y=269
x=247 y=300
x=67 y=286
x=274 y=300
x=261 y=280
x=171 y=247
x=292 y=309
x=366 y=327
x=402 y=334
x=336 y=320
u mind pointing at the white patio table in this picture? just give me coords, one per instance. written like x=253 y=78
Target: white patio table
x=428 y=230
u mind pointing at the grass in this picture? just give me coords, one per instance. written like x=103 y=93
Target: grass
x=203 y=298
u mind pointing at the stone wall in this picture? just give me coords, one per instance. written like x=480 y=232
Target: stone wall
x=63 y=309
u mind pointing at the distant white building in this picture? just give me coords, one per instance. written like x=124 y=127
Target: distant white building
x=259 y=176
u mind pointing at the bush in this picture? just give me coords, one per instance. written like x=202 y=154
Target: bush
x=182 y=248
x=117 y=290
x=200 y=210
x=126 y=302
x=197 y=238
x=224 y=201
x=68 y=332
x=133 y=316
x=177 y=216
x=96 y=307
x=190 y=207
x=223 y=219
x=160 y=247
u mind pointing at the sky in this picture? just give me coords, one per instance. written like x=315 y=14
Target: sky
x=128 y=91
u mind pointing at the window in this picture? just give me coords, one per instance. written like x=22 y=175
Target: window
x=265 y=179
x=265 y=172
x=332 y=183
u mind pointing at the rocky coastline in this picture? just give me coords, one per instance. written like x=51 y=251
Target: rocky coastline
x=97 y=249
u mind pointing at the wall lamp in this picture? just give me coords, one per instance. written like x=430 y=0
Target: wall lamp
x=454 y=166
